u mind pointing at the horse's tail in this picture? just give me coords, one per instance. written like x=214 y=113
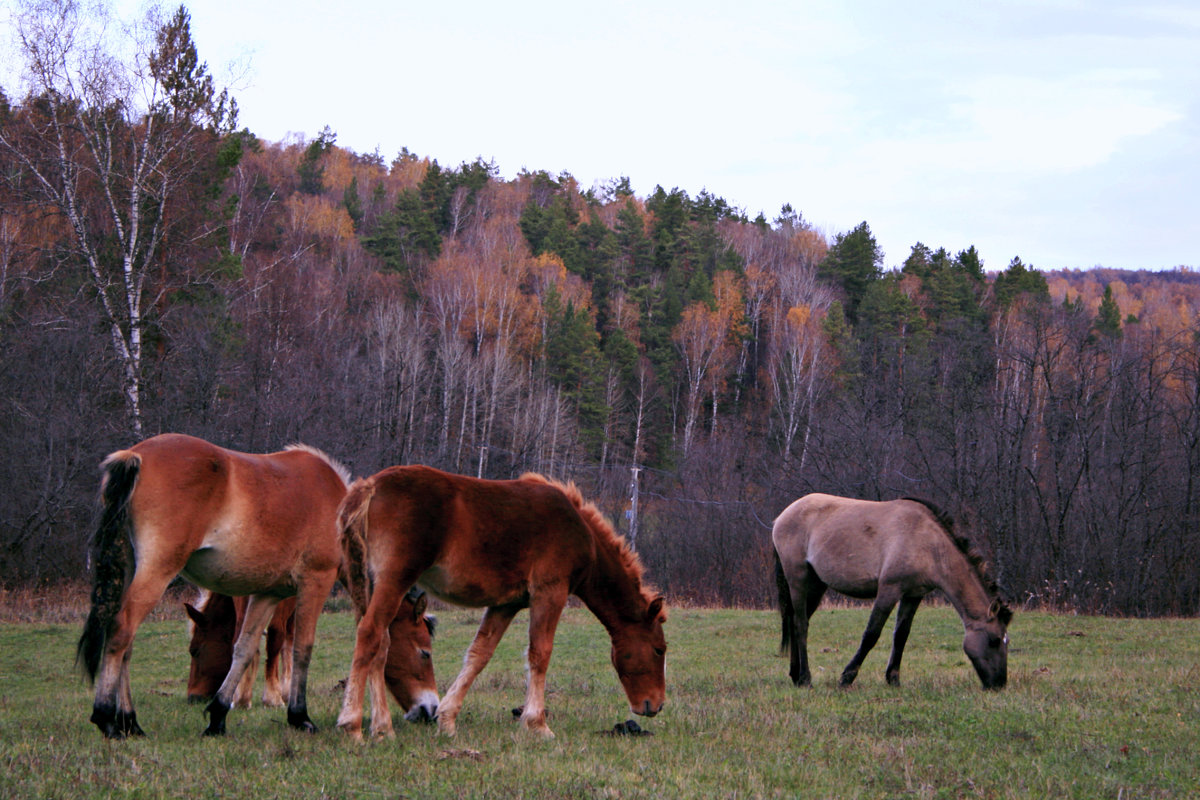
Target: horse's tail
x=111 y=555
x=352 y=529
x=787 y=612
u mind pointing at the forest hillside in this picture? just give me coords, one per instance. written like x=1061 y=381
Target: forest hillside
x=691 y=368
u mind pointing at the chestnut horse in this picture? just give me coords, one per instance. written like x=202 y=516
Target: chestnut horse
x=897 y=552
x=239 y=524
x=408 y=672
x=505 y=546
x=214 y=622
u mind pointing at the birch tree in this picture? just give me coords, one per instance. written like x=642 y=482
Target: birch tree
x=113 y=132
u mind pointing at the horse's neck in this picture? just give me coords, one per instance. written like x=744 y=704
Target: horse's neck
x=964 y=588
x=608 y=590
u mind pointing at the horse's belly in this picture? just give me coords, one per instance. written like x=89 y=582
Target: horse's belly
x=463 y=591
x=216 y=570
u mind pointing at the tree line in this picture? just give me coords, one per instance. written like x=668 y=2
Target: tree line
x=692 y=368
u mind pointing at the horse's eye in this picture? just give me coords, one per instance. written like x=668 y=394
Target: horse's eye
x=425 y=654
x=660 y=651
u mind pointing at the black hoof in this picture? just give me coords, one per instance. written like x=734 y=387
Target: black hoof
x=300 y=721
x=216 y=711
x=116 y=724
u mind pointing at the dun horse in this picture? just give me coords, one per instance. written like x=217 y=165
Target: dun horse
x=503 y=545
x=408 y=672
x=897 y=552
x=239 y=524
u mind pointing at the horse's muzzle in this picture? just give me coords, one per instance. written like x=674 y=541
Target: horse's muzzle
x=423 y=711
x=647 y=709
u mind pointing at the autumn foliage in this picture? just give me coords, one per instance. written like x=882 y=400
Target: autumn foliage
x=666 y=348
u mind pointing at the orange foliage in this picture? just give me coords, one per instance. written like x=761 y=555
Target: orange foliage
x=318 y=217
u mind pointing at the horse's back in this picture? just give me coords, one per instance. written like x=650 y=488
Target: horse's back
x=478 y=542
x=239 y=519
x=851 y=543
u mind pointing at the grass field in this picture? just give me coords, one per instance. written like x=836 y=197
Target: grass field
x=1095 y=708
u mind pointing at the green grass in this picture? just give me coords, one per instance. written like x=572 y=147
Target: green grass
x=1095 y=708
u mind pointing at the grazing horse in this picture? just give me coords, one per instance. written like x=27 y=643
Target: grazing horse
x=408 y=672
x=505 y=546
x=895 y=551
x=215 y=620
x=238 y=524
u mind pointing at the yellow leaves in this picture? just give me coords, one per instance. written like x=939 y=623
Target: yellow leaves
x=315 y=216
x=798 y=317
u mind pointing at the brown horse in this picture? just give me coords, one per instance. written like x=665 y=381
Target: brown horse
x=215 y=620
x=239 y=524
x=896 y=551
x=408 y=672
x=503 y=545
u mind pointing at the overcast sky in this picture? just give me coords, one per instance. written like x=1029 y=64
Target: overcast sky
x=1066 y=133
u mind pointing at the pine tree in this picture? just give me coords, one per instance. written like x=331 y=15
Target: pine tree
x=1108 y=318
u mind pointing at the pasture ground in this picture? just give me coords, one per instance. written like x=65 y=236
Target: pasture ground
x=1095 y=708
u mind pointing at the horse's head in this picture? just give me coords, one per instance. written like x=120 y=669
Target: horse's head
x=211 y=646
x=986 y=644
x=409 y=669
x=639 y=651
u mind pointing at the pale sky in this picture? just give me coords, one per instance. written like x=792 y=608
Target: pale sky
x=1066 y=133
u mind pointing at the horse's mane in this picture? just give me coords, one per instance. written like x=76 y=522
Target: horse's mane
x=973 y=556
x=601 y=528
x=337 y=466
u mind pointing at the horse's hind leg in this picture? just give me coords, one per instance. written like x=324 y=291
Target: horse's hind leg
x=113 y=711
x=806 y=593
x=885 y=601
x=495 y=622
x=258 y=613
x=370 y=655
x=904 y=619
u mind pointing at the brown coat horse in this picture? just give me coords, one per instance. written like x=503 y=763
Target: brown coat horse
x=214 y=622
x=408 y=672
x=239 y=524
x=503 y=545
x=896 y=551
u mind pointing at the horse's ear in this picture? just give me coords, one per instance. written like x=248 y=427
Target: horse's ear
x=419 y=606
x=196 y=615
x=654 y=609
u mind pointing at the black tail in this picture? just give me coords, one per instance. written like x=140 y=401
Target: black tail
x=111 y=556
x=787 y=612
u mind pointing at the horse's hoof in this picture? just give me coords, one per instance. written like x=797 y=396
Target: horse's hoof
x=300 y=721
x=353 y=732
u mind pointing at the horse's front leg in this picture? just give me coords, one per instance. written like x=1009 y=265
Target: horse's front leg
x=885 y=601
x=310 y=599
x=904 y=619
x=544 y=612
x=495 y=622
x=258 y=613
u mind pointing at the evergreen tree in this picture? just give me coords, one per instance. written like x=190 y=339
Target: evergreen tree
x=1108 y=318
x=352 y=202
x=853 y=263
x=310 y=170
x=1020 y=280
